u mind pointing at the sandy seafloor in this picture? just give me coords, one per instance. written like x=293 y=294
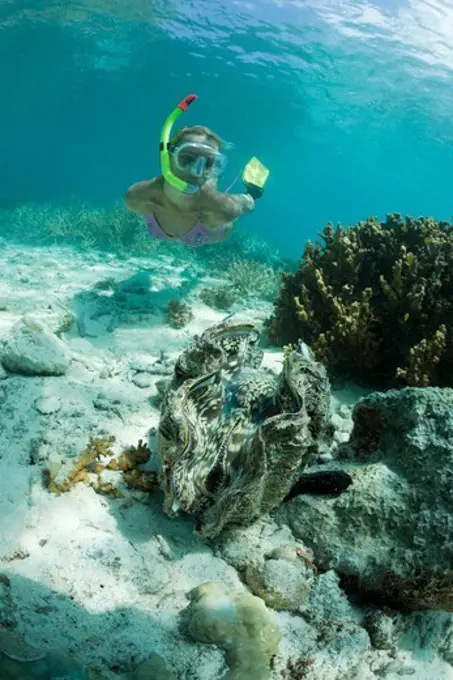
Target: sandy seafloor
x=102 y=578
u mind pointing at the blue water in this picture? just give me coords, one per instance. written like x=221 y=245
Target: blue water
x=349 y=104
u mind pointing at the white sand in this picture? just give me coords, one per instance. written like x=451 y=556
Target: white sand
x=105 y=578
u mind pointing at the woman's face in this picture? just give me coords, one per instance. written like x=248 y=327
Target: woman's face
x=196 y=158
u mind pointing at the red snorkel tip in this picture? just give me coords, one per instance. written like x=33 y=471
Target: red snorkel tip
x=187 y=101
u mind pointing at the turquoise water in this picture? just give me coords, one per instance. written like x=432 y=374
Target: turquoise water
x=349 y=104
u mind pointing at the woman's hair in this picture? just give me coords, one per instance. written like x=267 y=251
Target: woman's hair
x=201 y=130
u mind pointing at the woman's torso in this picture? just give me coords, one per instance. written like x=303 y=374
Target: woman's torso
x=177 y=220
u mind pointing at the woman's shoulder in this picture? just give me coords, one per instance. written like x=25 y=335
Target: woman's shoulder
x=156 y=185
x=148 y=187
x=142 y=195
x=148 y=190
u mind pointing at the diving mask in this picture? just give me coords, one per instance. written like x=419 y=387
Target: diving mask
x=198 y=161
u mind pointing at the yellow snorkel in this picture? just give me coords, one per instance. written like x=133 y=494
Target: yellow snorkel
x=165 y=144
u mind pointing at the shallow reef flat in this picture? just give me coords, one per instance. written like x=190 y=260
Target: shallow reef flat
x=336 y=580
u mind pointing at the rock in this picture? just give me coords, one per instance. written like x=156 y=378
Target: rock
x=20 y=660
x=335 y=620
x=162 y=369
x=108 y=403
x=62 y=666
x=273 y=565
x=7 y=609
x=142 y=363
x=326 y=604
x=95 y=327
x=33 y=350
x=154 y=668
x=161 y=386
x=47 y=405
x=281 y=582
x=3 y=302
x=14 y=647
x=380 y=628
x=142 y=380
x=390 y=534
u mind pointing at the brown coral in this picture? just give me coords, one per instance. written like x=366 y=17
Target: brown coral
x=87 y=462
x=89 y=466
x=179 y=313
x=375 y=302
x=422 y=590
x=297 y=670
x=221 y=298
x=423 y=359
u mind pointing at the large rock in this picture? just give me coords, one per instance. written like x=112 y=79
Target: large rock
x=391 y=533
x=272 y=564
x=32 y=349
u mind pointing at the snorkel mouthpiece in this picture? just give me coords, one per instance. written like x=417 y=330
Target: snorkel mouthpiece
x=199 y=167
x=165 y=144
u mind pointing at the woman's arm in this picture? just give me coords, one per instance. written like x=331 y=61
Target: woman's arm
x=227 y=206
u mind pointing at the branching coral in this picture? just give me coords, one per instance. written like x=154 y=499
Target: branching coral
x=375 y=302
x=91 y=463
x=423 y=359
x=250 y=277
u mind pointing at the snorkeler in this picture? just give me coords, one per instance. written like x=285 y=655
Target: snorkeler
x=183 y=203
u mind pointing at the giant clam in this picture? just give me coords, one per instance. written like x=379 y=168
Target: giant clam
x=233 y=438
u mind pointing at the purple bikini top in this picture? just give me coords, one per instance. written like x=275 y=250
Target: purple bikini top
x=197 y=236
